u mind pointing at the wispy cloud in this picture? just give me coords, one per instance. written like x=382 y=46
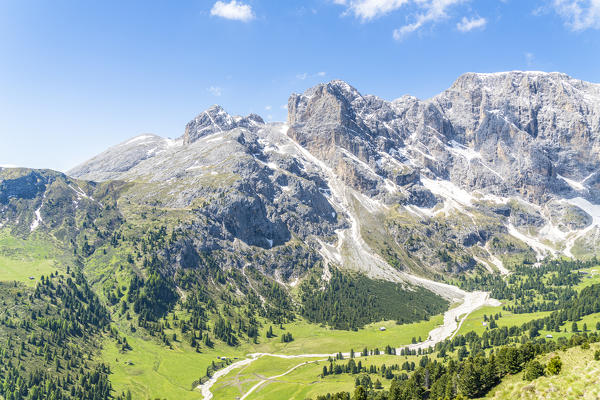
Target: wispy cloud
x=284 y=106
x=578 y=15
x=233 y=10
x=432 y=11
x=468 y=24
x=268 y=108
x=529 y=58
x=428 y=12
x=305 y=75
x=215 y=90
x=369 y=9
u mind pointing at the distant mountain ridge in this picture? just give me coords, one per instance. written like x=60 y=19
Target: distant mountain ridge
x=496 y=170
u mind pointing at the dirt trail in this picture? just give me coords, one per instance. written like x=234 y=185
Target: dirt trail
x=253 y=388
x=470 y=302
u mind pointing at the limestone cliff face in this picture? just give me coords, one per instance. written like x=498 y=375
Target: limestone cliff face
x=533 y=127
x=513 y=133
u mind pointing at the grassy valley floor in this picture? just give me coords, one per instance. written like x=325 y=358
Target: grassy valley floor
x=151 y=369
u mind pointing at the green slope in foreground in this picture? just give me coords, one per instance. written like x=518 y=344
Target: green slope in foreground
x=579 y=379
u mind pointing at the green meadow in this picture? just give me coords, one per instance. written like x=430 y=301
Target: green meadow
x=26 y=260
x=152 y=369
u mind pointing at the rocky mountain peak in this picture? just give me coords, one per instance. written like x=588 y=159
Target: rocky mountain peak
x=508 y=133
x=548 y=120
x=324 y=119
x=343 y=89
x=216 y=119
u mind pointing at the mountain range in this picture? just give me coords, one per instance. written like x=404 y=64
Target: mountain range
x=497 y=170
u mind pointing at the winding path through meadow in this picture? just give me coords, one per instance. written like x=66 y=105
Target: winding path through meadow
x=453 y=319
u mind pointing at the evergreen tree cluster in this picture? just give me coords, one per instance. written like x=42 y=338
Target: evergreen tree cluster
x=48 y=335
x=533 y=289
x=472 y=377
x=350 y=302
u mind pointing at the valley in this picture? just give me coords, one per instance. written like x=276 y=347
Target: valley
x=452 y=321
x=364 y=249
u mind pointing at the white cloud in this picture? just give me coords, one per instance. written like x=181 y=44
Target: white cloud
x=233 y=10
x=578 y=15
x=467 y=25
x=429 y=11
x=529 y=58
x=432 y=11
x=268 y=108
x=215 y=91
x=284 y=106
x=369 y=9
x=306 y=75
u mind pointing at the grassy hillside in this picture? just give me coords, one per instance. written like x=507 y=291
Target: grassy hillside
x=579 y=379
x=26 y=260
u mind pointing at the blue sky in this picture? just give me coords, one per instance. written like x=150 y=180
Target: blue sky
x=79 y=76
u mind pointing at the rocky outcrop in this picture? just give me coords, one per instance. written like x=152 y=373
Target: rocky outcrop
x=216 y=119
x=531 y=127
x=25 y=184
x=49 y=201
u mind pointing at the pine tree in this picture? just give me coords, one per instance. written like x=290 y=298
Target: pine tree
x=533 y=370
x=469 y=380
x=360 y=393
x=489 y=375
x=555 y=365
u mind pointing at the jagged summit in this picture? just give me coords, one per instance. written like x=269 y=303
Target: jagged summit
x=521 y=131
x=216 y=119
x=339 y=89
